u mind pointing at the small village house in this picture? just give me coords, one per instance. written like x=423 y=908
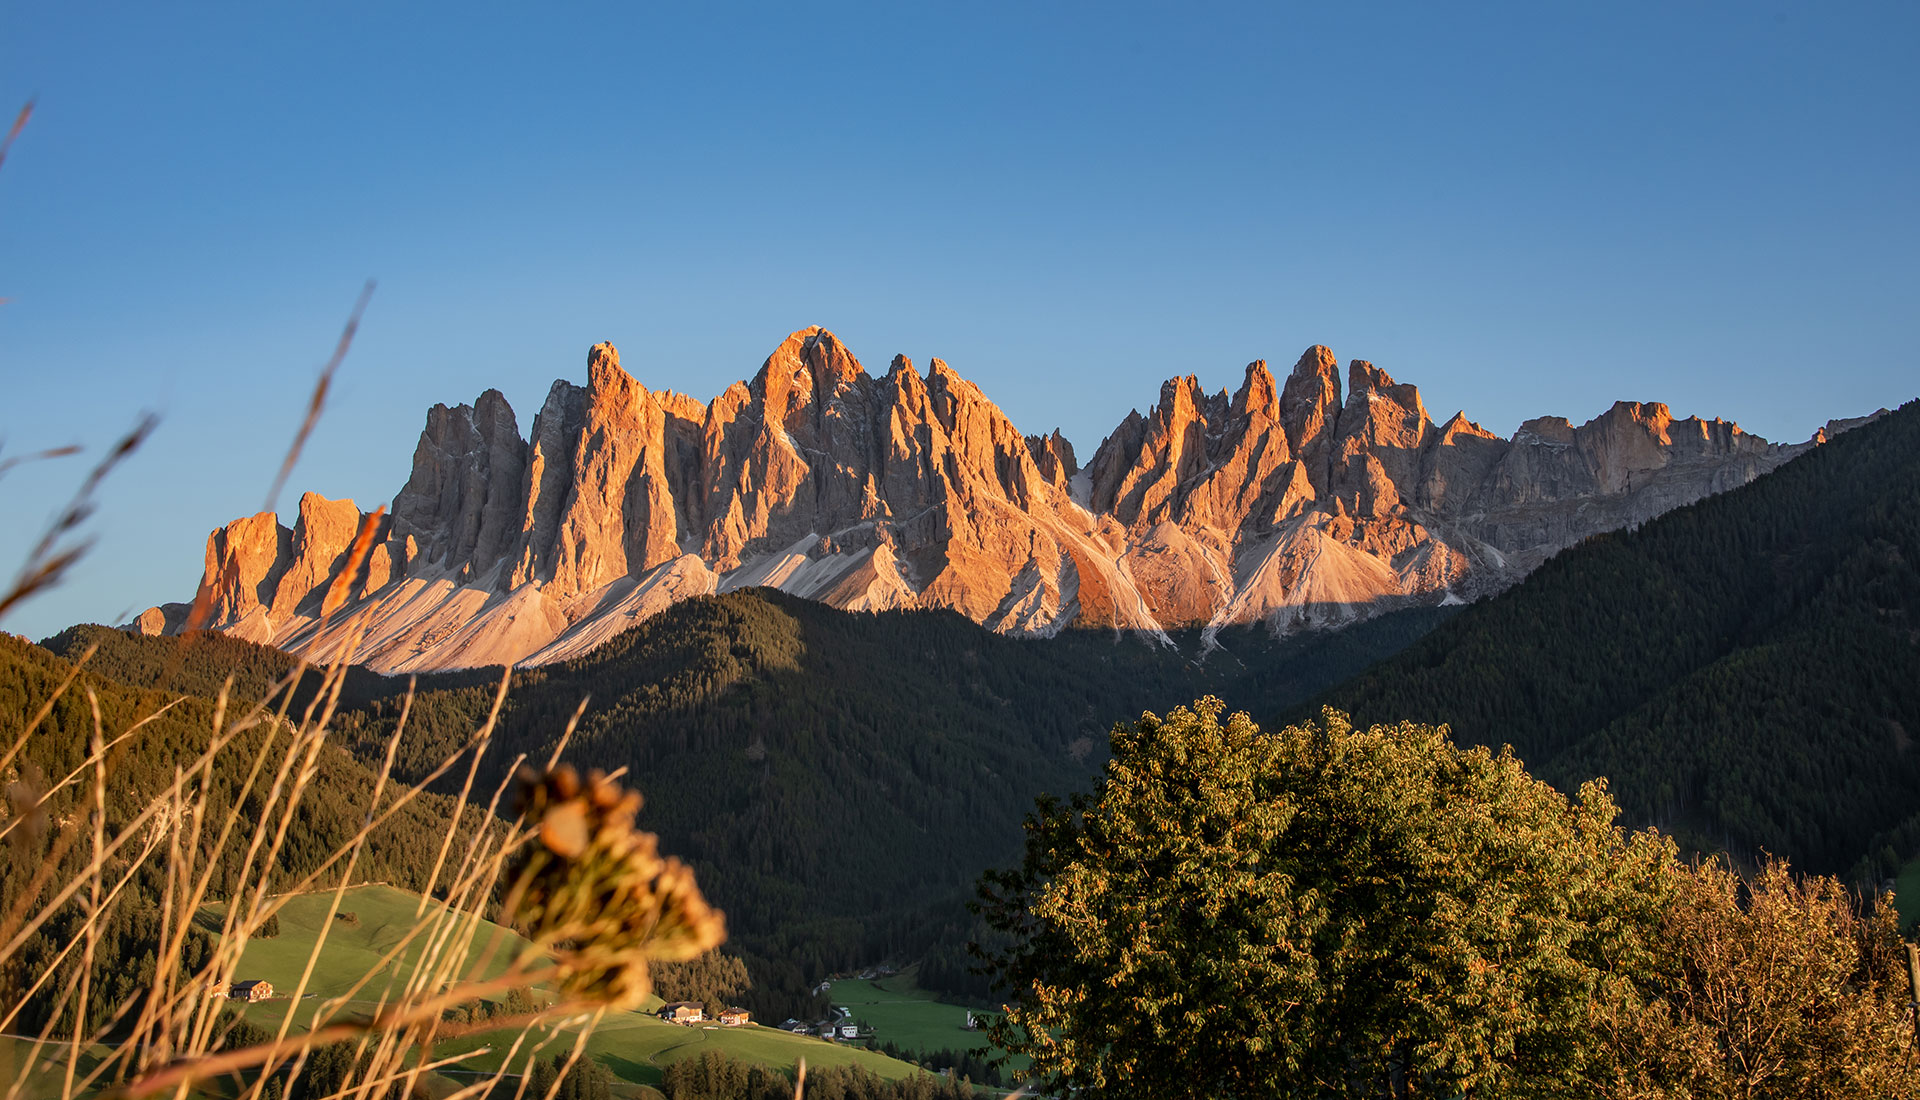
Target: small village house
x=251 y=991
x=734 y=1017
x=683 y=1012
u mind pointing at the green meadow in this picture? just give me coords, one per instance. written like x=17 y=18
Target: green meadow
x=636 y=1046
x=48 y=1073
x=46 y=1077
x=902 y=1013
x=373 y=921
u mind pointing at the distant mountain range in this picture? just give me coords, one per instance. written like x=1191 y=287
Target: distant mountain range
x=1281 y=504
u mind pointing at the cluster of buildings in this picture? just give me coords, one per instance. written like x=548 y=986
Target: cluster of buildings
x=691 y=1012
x=839 y=1031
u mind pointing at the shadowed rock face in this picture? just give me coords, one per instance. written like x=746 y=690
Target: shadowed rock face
x=1281 y=503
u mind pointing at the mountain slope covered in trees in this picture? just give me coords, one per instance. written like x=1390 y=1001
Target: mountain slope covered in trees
x=839 y=780
x=1745 y=671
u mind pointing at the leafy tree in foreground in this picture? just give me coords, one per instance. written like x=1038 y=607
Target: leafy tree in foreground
x=1321 y=911
x=1327 y=911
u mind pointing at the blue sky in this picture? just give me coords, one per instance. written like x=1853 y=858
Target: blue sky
x=1525 y=209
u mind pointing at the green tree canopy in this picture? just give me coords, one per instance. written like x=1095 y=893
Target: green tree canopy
x=1321 y=910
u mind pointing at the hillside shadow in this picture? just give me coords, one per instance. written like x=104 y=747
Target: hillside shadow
x=640 y=1073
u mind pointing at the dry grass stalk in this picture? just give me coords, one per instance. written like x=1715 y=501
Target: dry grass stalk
x=169 y=1036
x=50 y=559
x=7 y=464
x=19 y=124
x=356 y=557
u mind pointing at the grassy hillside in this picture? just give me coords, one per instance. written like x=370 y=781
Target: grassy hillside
x=636 y=1046
x=47 y=1076
x=373 y=921
x=1746 y=671
x=905 y=1016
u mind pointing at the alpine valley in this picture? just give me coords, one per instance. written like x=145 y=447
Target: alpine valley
x=1291 y=504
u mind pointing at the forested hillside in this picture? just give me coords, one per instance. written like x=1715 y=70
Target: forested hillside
x=1745 y=671
x=837 y=780
x=201 y=663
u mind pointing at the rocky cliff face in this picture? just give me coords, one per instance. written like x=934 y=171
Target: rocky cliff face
x=1282 y=503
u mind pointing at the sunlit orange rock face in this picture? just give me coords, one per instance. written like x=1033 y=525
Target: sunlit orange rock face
x=1282 y=503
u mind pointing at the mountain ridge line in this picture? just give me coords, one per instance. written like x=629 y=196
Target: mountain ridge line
x=1299 y=505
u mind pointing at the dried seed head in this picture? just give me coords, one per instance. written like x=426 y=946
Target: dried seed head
x=564 y=830
x=594 y=881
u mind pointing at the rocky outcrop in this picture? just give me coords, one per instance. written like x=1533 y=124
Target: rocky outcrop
x=317 y=551
x=1298 y=504
x=261 y=574
x=459 y=506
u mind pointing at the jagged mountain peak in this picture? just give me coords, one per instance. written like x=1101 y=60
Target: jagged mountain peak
x=811 y=357
x=1257 y=395
x=1317 y=361
x=602 y=357
x=1053 y=457
x=937 y=368
x=1279 y=503
x=1366 y=382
